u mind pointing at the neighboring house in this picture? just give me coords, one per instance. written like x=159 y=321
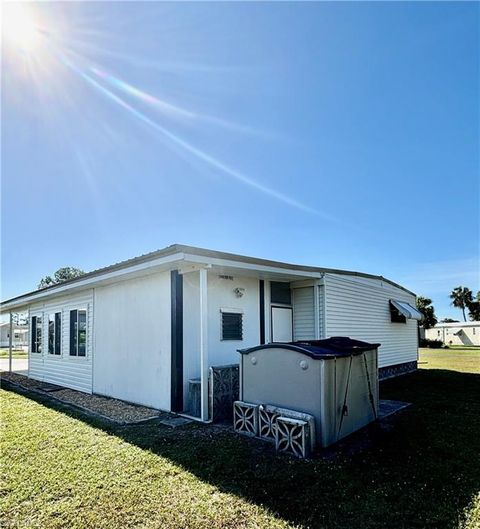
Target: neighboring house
x=20 y=335
x=458 y=333
x=141 y=329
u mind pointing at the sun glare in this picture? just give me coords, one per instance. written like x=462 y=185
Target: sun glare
x=20 y=28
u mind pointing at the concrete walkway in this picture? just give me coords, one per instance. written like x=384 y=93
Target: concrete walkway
x=19 y=365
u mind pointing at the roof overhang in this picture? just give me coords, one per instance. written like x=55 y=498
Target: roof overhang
x=184 y=262
x=89 y=281
x=191 y=258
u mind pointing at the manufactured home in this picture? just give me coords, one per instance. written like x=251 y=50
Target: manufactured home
x=455 y=333
x=149 y=330
x=19 y=335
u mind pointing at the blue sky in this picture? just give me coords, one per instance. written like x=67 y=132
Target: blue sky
x=334 y=134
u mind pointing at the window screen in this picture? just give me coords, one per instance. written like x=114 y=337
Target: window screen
x=54 y=333
x=36 y=338
x=280 y=293
x=232 y=326
x=78 y=332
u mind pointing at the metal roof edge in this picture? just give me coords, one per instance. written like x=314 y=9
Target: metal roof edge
x=194 y=250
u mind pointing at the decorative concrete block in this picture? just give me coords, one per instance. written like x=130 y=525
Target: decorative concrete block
x=245 y=418
x=273 y=412
x=293 y=436
x=267 y=419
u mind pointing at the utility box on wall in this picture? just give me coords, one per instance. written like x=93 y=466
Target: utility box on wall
x=335 y=380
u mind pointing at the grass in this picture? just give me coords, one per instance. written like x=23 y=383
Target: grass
x=61 y=469
x=464 y=359
x=16 y=353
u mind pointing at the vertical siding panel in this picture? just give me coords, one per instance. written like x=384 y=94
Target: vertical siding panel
x=321 y=311
x=64 y=370
x=359 y=308
x=303 y=313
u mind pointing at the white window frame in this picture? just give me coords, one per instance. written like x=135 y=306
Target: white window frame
x=54 y=354
x=42 y=338
x=76 y=356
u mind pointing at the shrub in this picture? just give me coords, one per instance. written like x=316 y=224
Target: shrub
x=433 y=344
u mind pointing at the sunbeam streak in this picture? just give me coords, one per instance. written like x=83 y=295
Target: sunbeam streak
x=169 y=108
x=210 y=160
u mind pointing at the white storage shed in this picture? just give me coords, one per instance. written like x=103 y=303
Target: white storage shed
x=334 y=380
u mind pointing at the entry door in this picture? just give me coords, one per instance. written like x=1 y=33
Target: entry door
x=282 y=330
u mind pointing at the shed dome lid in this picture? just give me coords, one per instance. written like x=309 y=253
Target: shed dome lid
x=334 y=347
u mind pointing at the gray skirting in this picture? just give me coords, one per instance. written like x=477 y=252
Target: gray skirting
x=396 y=370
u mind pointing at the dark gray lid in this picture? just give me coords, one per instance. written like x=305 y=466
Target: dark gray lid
x=335 y=347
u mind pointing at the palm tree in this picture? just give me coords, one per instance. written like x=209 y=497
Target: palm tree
x=424 y=305
x=461 y=297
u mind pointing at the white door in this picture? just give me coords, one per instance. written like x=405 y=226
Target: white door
x=282 y=324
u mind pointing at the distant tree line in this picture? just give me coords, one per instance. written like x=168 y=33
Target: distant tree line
x=462 y=298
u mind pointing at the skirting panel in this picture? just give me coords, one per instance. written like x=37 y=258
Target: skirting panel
x=396 y=370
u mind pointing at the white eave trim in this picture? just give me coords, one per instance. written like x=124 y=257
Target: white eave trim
x=89 y=282
x=227 y=263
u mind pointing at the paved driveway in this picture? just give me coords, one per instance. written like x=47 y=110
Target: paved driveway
x=19 y=365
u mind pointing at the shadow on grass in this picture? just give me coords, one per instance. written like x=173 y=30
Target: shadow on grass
x=423 y=472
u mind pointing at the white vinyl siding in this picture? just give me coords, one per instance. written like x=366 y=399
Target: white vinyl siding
x=63 y=369
x=133 y=340
x=308 y=320
x=359 y=308
x=303 y=313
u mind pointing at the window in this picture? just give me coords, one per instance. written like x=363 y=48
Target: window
x=396 y=316
x=55 y=333
x=232 y=326
x=474 y=330
x=438 y=333
x=280 y=293
x=36 y=330
x=78 y=332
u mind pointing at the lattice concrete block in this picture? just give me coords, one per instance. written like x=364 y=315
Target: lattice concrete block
x=293 y=436
x=267 y=422
x=245 y=418
x=273 y=412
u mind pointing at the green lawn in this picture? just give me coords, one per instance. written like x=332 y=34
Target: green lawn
x=61 y=469
x=15 y=353
x=462 y=359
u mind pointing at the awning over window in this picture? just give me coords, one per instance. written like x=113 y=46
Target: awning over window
x=407 y=310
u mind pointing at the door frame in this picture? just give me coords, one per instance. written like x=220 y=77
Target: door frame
x=279 y=306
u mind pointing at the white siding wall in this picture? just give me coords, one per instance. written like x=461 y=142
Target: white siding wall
x=132 y=340
x=303 y=300
x=358 y=307
x=220 y=296
x=308 y=321
x=69 y=371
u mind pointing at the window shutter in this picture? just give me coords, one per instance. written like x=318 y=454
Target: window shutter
x=232 y=326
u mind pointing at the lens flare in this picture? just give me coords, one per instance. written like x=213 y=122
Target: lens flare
x=20 y=28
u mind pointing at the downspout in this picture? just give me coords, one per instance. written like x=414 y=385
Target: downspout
x=203 y=345
x=10 y=344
